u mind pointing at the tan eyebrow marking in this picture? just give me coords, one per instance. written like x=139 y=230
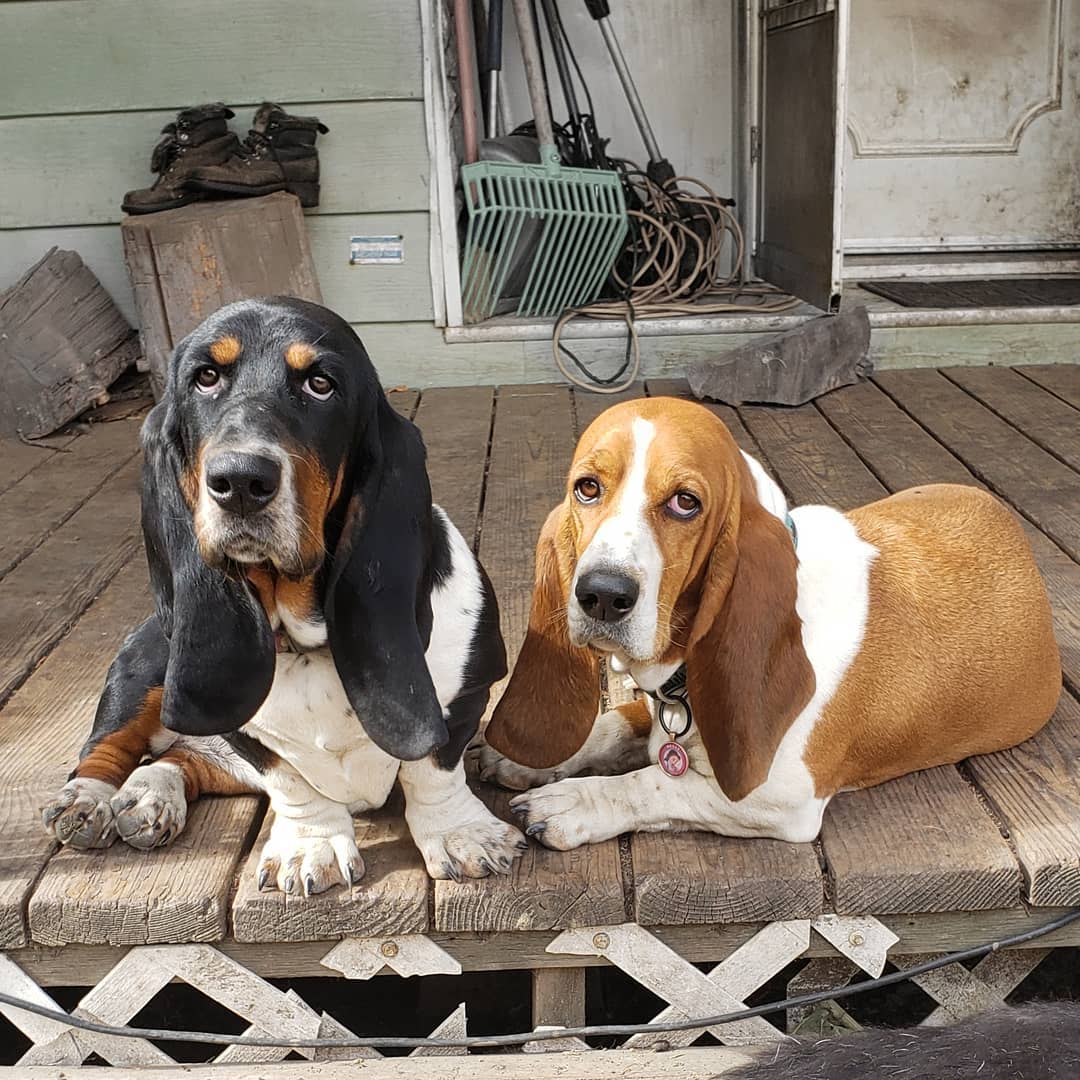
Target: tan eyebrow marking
x=226 y=350
x=299 y=355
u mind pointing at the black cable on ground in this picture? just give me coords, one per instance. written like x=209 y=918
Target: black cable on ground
x=487 y=1042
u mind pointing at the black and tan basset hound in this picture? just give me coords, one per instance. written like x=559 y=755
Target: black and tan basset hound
x=321 y=628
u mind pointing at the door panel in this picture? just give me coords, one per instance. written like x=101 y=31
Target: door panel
x=801 y=138
x=963 y=125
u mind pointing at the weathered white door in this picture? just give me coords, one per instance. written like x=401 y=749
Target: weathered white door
x=802 y=133
x=963 y=125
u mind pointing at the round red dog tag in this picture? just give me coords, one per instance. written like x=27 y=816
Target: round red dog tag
x=672 y=759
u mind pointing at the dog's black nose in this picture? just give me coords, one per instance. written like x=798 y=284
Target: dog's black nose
x=242 y=483
x=605 y=596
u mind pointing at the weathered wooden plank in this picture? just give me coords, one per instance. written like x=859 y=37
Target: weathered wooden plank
x=391 y=898
x=1062 y=380
x=42 y=728
x=1043 y=489
x=380 y=141
x=19 y=459
x=587 y=407
x=186 y=263
x=558 y=997
x=902 y=454
x=1042 y=417
x=692 y=1064
x=50 y=589
x=456 y=424
x=950 y=854
x=404 y=402
x=63 y=342
x=1035 y=791
x=50 y=494
x=532 y=441
x=359 y=50
x=544 y=890
x=918 y=843
x=811 y=460
x=682 y=878
x=122 y=896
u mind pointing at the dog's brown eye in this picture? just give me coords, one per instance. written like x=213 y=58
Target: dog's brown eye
x=587 y=489
x=683 y=505
x=318 y=386
x=207 y=378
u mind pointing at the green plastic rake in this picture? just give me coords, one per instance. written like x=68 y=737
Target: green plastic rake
x=569 y=224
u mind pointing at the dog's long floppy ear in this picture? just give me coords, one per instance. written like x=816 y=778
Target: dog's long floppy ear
x=553 y=696
x=221 y=647
x=378 y=605
x=748 y=676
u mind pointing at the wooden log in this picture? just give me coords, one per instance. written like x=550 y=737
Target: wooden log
x=792 y=368
x=62 y=343
x=184 y=264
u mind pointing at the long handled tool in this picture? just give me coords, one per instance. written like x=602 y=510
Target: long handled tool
x=582 y=213
x=659 y=169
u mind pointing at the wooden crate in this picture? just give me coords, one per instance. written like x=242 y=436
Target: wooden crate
x=184 y=264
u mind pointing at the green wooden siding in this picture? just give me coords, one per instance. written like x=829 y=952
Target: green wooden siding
x=86 y=85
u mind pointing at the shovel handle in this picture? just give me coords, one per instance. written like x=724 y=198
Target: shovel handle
x=534 y=75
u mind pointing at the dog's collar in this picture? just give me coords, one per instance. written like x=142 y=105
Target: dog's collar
x=789 y=521
x=673 y=704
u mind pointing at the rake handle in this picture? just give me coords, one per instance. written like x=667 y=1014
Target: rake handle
x=534 y=75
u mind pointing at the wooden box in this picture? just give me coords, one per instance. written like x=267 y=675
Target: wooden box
x=184 y=264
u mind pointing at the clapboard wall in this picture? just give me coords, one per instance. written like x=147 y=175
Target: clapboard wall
x=86 y=85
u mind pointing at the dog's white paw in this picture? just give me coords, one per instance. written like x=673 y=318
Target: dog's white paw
x=151 y=808
x=472 y=848
x=560 y=816
x=305 y=859
x=484 y=763
x=80 y=815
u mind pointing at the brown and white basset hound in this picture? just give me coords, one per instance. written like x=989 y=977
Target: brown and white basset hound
x=803 y=653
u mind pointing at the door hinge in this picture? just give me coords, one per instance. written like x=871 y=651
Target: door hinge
x=755 y=144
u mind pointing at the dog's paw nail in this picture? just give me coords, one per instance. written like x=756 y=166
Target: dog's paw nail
x=452 y=870
x=309 y=885
x=264 y=879
x=521 y=808
x=536 y=828
x=290 y=884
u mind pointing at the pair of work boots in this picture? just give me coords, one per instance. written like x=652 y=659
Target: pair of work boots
x=198 y=157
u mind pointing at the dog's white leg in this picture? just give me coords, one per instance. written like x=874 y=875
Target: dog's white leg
x=312 y=844
x=456 y=833
x=591 y=809
x=618 y=742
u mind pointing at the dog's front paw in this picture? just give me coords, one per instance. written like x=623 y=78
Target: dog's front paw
x=484 y=763
x=151 y=808
x=560 y=816
x=307 y=859
x=473 y=848
x=80 y=814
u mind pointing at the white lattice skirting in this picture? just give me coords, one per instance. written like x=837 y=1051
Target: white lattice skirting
x=862 y=945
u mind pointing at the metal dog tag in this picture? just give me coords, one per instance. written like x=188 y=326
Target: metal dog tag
x=672 y=759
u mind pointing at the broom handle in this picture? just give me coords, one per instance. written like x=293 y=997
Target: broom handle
x=534 y=76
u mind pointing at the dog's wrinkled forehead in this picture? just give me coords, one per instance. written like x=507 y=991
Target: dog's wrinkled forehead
x=273 y=365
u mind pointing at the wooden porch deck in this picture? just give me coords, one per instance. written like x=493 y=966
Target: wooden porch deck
x=995 y=836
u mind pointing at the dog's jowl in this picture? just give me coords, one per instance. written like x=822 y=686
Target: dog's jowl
x=321 y=628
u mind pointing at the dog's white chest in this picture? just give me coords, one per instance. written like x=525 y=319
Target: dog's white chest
x=308 y=721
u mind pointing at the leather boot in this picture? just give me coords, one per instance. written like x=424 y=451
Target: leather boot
x=278 y=155
x=199 y=137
